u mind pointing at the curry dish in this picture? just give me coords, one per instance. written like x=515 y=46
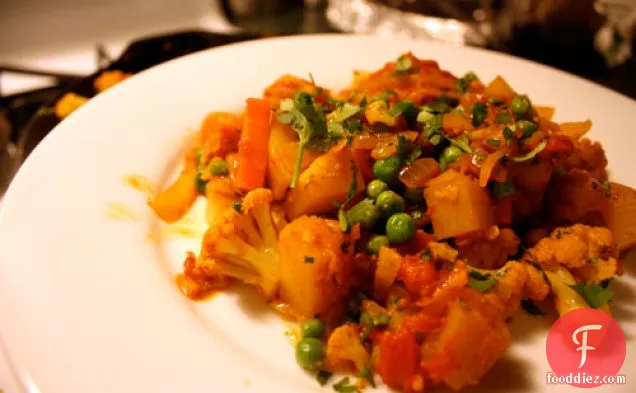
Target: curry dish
x=403 y=220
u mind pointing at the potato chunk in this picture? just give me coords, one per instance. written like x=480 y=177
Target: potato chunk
x=328 y=178
x=314 y=270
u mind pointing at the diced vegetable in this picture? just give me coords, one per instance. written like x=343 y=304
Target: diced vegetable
x=386 y=272
x=283 y=147
x=457 y=205
x=545 y=112
x=175 y=201
x=499 y=88
x=220 y=133
x=575 y=130
x=311 y=288
x=419 y=172
x=253 y=145
x=328 y=178
x=398 y=360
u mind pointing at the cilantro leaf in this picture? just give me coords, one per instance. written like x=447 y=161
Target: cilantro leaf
x=503 y=118
x=594 y=294
x=308 y=120
x=477 y=275
x=464 y=82
x=323 y=377
x=532 y=154
x=344 y=386
x=493 y=142
x=344 y=112
x=480 y=111
x=367 y=372
x=404 y=65
x=502 y=190
x=309 y=259
x=482 y=285
x=401 y=107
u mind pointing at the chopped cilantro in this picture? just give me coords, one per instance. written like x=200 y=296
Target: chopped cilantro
x=480 y=111
x=493 y=142
x=308 y=121
x=594 y=294
x=502 y=190
x=323 y=377
x=594 y=260
x=463 y=304
x=559 y=234
x=461 y=142
x=344 y=112
x=496 y=101
x=367 y=372
x=309 y=259
x=425 y=255
x=401 y=107
x=508 y=134
x=381 y=320
x=532 y=154
x=482 y=285
x=344 y=386
x=464 y=82
x=503 y=118
x=384 y=96
x=607 y=189
x=404 y=65
x=344 y=222
x=477 y=275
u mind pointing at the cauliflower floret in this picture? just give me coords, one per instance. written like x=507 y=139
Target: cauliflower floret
x=490 y=252
x=587 y=251
x=345 y=351
x=516 y=281
x=244 y=245
x=579 y=253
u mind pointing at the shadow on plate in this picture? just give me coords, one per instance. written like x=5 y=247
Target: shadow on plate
x=526 y=328
x=250 y=302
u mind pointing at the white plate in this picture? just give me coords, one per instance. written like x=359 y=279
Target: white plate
x=89 y=304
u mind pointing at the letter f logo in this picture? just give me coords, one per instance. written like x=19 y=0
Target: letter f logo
x=584 y=347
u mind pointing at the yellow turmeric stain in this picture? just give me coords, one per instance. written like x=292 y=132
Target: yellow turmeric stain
x=119 y=211
x=247 y=382
x=139 y=183
x=186 y=227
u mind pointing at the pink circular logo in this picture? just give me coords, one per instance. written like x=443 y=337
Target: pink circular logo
x=585 y=348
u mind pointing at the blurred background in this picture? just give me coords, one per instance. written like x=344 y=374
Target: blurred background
x=52 y=53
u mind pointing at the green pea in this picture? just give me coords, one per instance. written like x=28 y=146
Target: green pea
x=218 y=167
x=313 y=328
x=389 y=202
x=376 y=242
x=375 y=187
x=400 y=228
x=521 y=106
x=364 y=213
x=527 y=127
x=414 y=195
x=387 y=169
x=310 y=353
x=450 y=154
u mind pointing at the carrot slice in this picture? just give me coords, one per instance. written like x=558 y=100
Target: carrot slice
x=252 y=151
